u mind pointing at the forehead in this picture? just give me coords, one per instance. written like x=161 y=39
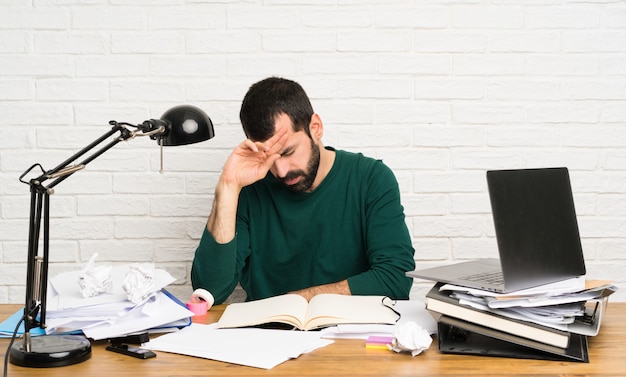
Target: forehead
x=281 y=121
x=293 y=138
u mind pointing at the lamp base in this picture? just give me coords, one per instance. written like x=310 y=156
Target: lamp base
x=49 y=351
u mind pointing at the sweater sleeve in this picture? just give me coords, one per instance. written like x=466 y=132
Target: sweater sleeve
x=213 y=267
x=389 y=248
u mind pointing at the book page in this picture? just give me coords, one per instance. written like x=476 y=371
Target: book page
x=332 y=309
x=289 y=309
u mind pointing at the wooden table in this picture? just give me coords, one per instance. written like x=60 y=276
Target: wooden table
x=607 y=353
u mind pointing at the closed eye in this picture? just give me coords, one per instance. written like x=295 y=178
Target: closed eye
x=287 y=152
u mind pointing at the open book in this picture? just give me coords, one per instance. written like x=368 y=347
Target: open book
x=322 y=311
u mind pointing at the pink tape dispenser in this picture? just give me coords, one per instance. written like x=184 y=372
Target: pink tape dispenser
x=201 y=301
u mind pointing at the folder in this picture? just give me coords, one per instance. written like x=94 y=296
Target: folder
x=456 y=336
x=7 y=327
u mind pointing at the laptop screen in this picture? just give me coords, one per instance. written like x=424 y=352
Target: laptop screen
x=536 y=226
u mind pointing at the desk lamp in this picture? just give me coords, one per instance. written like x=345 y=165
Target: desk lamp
x=177 y=126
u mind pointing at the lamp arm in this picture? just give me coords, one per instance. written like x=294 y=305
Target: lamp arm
x=64 y=170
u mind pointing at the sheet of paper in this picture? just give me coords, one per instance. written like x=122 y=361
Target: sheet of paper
x=415 y=311
x=260 y=348
x=350 y=331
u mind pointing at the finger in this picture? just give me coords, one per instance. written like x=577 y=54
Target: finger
x=280 y=142
x=249 y=144
x=270 y=160
x=277 y=140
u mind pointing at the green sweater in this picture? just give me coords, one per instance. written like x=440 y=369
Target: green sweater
x=351 y=226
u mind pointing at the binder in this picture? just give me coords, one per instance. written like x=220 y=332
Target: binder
x=456 y=336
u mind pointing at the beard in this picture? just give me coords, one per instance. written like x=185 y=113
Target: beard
x=308 y=177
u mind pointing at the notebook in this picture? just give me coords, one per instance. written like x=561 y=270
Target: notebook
x=536 y=231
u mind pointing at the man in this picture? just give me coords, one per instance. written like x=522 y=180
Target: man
x=292 y=216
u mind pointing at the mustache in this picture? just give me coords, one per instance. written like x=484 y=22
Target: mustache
x=293 y=174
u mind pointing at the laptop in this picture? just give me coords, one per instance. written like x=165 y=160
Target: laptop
x=536 y=231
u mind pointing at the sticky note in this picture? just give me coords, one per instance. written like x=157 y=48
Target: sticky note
x=378 y=342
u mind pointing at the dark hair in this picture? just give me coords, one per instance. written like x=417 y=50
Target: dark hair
x=269 y=98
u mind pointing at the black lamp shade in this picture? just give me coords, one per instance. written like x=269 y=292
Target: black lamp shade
x=186 y=125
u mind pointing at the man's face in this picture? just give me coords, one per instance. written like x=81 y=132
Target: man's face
x=300 y=158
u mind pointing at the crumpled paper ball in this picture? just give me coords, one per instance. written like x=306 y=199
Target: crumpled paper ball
x=139 y=283
x=410 y=337
x=95 y=280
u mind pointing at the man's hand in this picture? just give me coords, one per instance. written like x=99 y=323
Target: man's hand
x=340 y=287
x=249 y=162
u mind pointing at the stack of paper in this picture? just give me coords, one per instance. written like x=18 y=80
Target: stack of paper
x=260 y=348
x=578 y=310
x=111 y=314
x=554 y=319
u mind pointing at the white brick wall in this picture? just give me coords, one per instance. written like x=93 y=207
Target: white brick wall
x=441 y=90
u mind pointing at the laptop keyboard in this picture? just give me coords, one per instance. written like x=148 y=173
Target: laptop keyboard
x=489 y=277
